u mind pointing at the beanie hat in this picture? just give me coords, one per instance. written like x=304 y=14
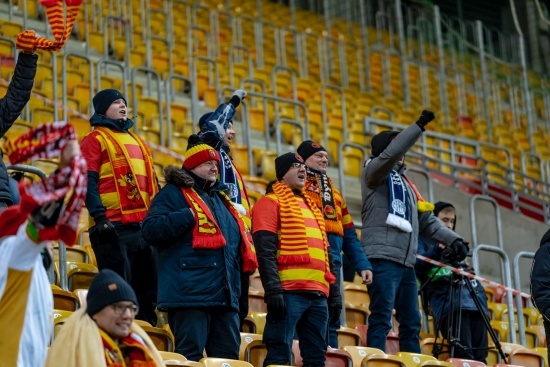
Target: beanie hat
x=441 y=205
x=102 y=100
x=284 y=162
x=309 y=148
x=381 y=141
x=107 y=288
x=204 y=119
x=198 y=152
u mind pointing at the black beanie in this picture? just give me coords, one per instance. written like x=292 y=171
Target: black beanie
x=284 y=162
x=107 y=288
x=309 y=148
x=102 y=100
x=381 y=141
x=204 y=119
x=441 y=205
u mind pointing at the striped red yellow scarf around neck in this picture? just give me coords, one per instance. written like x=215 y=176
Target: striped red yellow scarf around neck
x=319 y=188
x=128 y=353
x=293 y=243
x=132 y=210
x=207 y=234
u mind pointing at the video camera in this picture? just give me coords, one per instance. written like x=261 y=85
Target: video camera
x=455 y=253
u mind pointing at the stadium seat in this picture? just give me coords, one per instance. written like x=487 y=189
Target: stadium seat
x=379 y=360
x=427 y=346
x=256 y=300
x=459 y=362
x=255 y=322
x=252 y=349
x=414 y=359
x=80 y=275
x=59 y=318
x=81 y=294
x=73 y=254
x=435 y=363
x=348 y=336
x=223 y=362
x=162 y=339
x=356 y=314
x=356 y=295
x=358 y=353
x=64 y=300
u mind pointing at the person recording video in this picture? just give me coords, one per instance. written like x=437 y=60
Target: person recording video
x=470 y=333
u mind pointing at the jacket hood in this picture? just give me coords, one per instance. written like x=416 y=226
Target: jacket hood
x=101 y=120
x=545 y=239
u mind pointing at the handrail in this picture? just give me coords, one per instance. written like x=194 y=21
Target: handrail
x=64 y=79
x=231 y=62
x=442 y=75
x=519 y=301
x=168 y=95
x=264 y=102
x=497 y=217
x=274 y=71
x=194 y=87
x=506 y=278
x=531 y=156
x=149 y=51
x=149 y=71
x=190 y=37
x=117 y=64
x=375 y=109
x=278 y=134
x=341 y=173
x=324 y=111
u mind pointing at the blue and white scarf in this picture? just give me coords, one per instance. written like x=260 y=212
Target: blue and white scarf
x=399 y=206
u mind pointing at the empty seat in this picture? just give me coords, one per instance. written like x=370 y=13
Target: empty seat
x=80 y=275
x=64 y=300
x=223 y=362
x=414 y=359
x=459 y=362
x=252 y=349
x=358 y=353
x=162 y=339
x=379 y=360
x=348 y=336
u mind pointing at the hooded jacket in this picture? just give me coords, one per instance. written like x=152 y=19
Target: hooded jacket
x=540 y=277
x=11 y=105
x=379 y=240
x=191 y=277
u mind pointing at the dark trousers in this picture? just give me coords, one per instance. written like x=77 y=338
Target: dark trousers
x=472 y=334
x=393 y=287
x=134 y=260
x=307 y=314
x=243 y=299
x=547 y=332
x=335 y=325
x=213 y=329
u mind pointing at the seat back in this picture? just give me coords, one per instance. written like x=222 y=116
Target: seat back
x=459 y=362
x=162 y=339
x=414 y=359
x=359 y=353
x=348 y=336
x=64 y=300
x=223 y=362
x=386 y=360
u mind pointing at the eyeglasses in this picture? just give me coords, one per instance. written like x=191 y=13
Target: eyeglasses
x=120 y=309
x=298 y=165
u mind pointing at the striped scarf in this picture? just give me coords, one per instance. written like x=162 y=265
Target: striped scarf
x=319 y=188
x=132 y=205
x=129 y=352
x=48 y=141
x=293 y=243
x=29 y=40
x=207 y=233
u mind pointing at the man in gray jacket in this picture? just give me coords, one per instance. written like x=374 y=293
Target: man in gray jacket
x=393 y=214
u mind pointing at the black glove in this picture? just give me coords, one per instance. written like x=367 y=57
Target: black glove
x=105 y=229
x=456 y=251
x=334 y=304
x=425 y=118
x=276 y=307
x=46 y=215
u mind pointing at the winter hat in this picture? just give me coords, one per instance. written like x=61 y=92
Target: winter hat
x=107 y=288
x=284 y=162
x=381 y=141
x=102 y=100
x=545 y=238
x=204 y=119
x=198 y=152
x=309 y=148
x=440 y=205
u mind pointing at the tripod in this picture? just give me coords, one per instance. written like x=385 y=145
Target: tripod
x=454 y=317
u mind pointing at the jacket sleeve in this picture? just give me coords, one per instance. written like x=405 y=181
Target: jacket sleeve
x=354 y=251
x=168 y=218
x=213 y=130
x=431 y=227
x=376 y=171
x=432 y=252
x=19 y=91
x=540 y=281
x=91 y=151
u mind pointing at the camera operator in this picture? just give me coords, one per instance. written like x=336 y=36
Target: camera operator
x=472 y=332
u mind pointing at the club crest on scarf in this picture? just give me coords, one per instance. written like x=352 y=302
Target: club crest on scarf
x=128 y=181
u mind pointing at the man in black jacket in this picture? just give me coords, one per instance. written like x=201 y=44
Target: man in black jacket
x=540 y=282
x=11 y=105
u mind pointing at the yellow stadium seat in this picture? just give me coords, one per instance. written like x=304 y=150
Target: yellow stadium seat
x=348 y=336
x=427 y=345
x=162 y=339
x=356 y=314
x=414 y=359
x=80 y=275
x=359 y=353
x=81 y=294
x=64 y=300
x=356 y=295
x=10 y=29
x=378 y=360
x=252 y=349
x=74 y=254
x=59 y=318
x=256 y=322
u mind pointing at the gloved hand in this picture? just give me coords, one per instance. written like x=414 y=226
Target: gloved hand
x=456 y=251
x=276 y=307
x=47 y=214
x=105 y=229
x=334 y=303
x=237 y=97
x=425 y=118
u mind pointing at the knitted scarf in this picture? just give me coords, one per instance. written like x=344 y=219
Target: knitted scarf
x=293 y=243
x=29 y=40
x=129 y=352
x=399 y=206
x=132 y=205
x=319 y=190
x=48 y=141
x=208 y=235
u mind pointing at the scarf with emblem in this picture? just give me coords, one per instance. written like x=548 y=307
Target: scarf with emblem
x=319 y=190
x=207 y=233
x=129 y=352
x=293 y=243
x=132 y=206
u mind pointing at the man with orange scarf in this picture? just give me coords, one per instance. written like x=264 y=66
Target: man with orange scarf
x=204 y=247
x=121 y=185
x=295 y=266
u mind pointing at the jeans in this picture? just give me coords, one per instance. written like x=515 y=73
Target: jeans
x=307 y=314
x=214 y=329
x=394 y=287
x=134 y=260
x=334 y=326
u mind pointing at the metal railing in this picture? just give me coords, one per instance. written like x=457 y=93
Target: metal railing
x=518 y=298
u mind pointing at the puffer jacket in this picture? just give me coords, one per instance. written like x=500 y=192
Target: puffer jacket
x=191 y=277
x=540 y=277
x=379 y=240
x=11 y=105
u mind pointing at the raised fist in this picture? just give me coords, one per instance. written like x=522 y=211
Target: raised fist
x=425 y=118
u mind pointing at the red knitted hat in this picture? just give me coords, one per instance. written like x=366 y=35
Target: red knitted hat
x=198 y=153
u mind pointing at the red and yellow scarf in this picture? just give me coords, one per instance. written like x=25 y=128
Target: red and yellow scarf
x=129 y=352
x=319 y=190
x=293 y=244
x=207 y=233
x=132 y=210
